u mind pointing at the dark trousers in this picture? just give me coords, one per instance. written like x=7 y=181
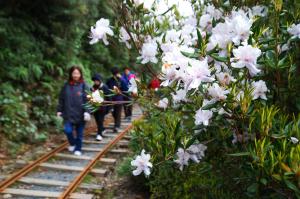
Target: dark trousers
x=99 y=117
x=77 y=142
x=128 y=110
x=117 y=114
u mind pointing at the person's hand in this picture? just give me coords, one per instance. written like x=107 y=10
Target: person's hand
x=59 y=114
x=117 y=90
x=86 y=116
x=134 y=94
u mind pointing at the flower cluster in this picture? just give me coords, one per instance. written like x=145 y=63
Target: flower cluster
x=96 y=97
x=195 y=153
x=208 y=58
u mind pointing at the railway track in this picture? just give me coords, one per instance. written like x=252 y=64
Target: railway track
x=60 y=174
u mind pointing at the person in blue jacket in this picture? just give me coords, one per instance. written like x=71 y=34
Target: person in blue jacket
x=127 y=76
x=103 y=110
x=70 y=106
x=119 y=86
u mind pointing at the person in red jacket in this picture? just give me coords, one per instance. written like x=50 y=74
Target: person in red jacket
x=155 y=83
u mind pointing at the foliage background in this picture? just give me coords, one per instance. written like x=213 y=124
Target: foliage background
x=39 y=40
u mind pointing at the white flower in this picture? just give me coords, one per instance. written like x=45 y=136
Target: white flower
x=168 y=47
x=183 y=158
x=132 y=86
x=217 y=92
x=147 y=4
x=142 y=164
x=172 y=35
x=221 y=36
x=240 y=27
x=148 y=53
x=199 y=73
x=96 y=97
x=246 y=56
x=222 y=112
x=260 y=89
x=196 y=152
x=185 y=8
x=163 y=103
x=224 y=78
x=206 y=22
x=203 y=117
x=294 y=140
x=212 y=11
x=294 y=30
x=169 y=74
x=259 y=11
x=124 y=37
x=179 y=96
x=100 y=31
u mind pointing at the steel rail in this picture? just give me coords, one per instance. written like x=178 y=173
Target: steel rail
x=76 y=182
x=25 y=170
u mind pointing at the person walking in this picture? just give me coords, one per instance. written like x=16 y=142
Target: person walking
x=127 y=76
x=70 y=107
x=119 y=86
x=103 y=110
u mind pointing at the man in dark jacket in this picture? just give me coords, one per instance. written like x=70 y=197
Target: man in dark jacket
x=103 y=110
x=119 y=86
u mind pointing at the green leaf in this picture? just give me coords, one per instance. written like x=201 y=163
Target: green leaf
x=277 y=177
x=239 y=154
x=213 y=50
x=177 y=137
x=189 y=55
x=268 y=40
x=282 y=64
x=253 y=188
x=278 y=136
x=200 y=40
x=293 y=68
x=192 y=140
x=208 y=106
x=290 y=185
x=264 y=181
x=218 y=58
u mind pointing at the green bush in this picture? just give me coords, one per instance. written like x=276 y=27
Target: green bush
x=39 y=41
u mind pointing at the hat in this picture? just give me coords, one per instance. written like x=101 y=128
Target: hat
x=97 y=76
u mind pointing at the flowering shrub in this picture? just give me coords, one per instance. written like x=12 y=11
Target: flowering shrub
x=223 y=71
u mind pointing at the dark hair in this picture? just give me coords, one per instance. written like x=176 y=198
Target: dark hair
x=71 y=70
x=115 y=70
x=126 y=68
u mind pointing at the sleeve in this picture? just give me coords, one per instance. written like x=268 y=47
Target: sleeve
x=124 y=85
x=85 y=89
x=106 y=92
x=61 y=100
x=109 y=84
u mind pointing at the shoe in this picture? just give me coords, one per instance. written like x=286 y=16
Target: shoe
x=104 y=132
x=99 y=137
x=116 y=130
x=71 y=148
x=77 y=153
